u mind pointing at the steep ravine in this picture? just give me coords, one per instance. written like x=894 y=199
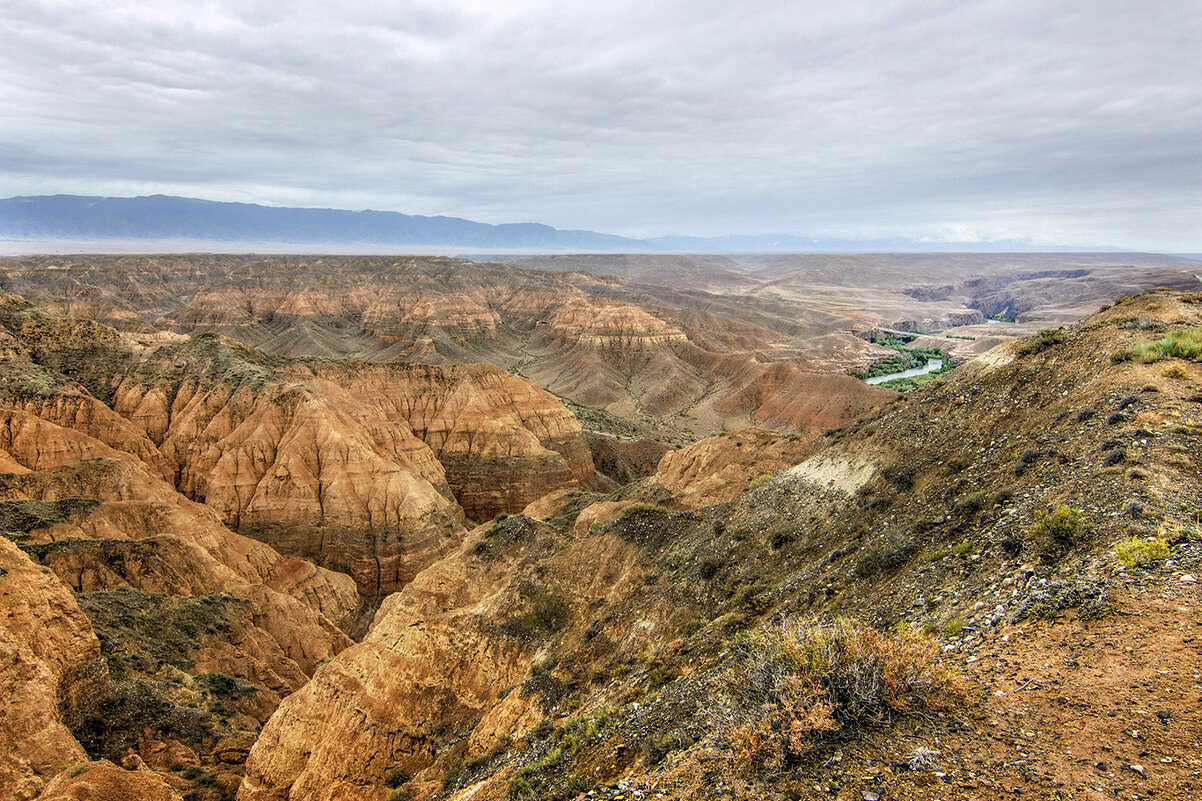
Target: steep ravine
x=132 y=476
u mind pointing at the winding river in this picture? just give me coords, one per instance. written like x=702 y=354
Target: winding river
x=931 y=366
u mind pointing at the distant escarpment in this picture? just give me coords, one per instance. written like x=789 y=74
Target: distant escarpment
x=666 y=363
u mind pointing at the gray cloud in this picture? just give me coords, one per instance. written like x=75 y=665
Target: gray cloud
x=1059 y=122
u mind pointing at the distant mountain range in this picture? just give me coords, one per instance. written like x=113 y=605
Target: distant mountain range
x=127 y=222
x=163 y=217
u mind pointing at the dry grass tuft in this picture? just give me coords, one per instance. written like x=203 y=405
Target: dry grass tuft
x=808 y=684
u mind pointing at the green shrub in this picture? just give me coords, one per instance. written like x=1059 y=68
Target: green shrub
x=548 y=614
x=759 y=481
x=1087 y=595
x=1057 y=530
x=972 y=503
x=1137 y=552
x=26 y=516
x=535 y=780
x=396 y=777
x=1185 y=344
x=955 y=465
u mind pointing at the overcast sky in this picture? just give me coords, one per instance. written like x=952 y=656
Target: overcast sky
x=1076 y=123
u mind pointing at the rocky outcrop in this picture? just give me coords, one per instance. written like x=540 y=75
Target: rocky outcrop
x=44 y=637
x=104 y=781
x=295 y=469
x=502 y=441
x=363 y=468
x=784 y=396
x=719 y=468
x=139 y=534
x=441 y=655
x=79 y=412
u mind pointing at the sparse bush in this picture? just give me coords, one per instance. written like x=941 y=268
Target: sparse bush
x=1040 y=342
x=900 y=476
x=709 y=566
x=1114 y=457
x=1136 y=552
x=1175 y=371
x=643 y=509
x=955 y=465
x=26 y=516
x=892 y=552
x=507 y=529
x=759 y=481
x=534 y=779
x=1057 y=530
x=1084 y=415
x=657 y=746
x=806 y=684
x=548 y=614
x=972 y=503
x=396 y=777
x=923 y=758
x=1087 y=595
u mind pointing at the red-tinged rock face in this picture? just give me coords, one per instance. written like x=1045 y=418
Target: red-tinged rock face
x=43 y=637
x=364 y=468
x=502 y=441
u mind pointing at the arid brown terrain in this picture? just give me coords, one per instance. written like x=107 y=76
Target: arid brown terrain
x=660 y=347
x=316 y=529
